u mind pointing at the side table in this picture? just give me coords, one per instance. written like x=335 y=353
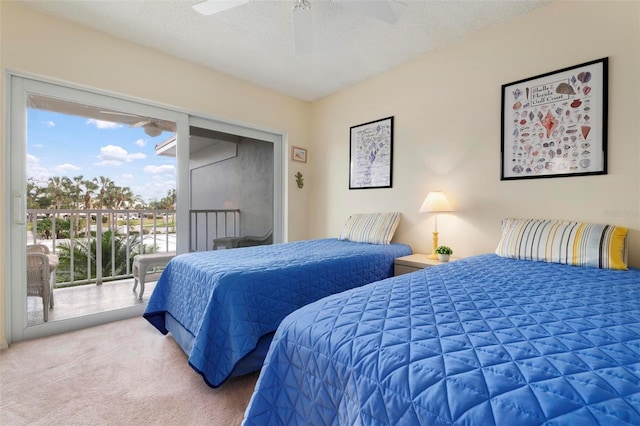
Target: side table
x=415 y=262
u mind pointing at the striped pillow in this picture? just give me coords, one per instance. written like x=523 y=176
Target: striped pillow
x=572 y=243
x=372 y=228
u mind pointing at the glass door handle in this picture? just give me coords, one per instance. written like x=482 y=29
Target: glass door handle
x=19 y=216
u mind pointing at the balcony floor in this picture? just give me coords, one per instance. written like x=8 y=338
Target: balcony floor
x=88 y=299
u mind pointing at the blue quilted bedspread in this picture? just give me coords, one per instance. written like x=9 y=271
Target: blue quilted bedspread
x=228 y=299
x=480 y=341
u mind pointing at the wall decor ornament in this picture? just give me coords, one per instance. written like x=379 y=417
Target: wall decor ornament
x=299 y=180
x=371 y=154
x=555 y=124
x=298 y=154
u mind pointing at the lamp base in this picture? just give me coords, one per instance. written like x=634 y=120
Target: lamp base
x=433 y=254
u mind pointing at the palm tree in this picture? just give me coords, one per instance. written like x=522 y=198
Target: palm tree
x=126 y=197
x=103 y=184
x=59 y=187
x=76 y=196
x=35 y=194
x=170 y=199
x=111 y=195
x=165 y=203
x=36 y=199
x=138 y=202
x=76 y=191
x=90 y=187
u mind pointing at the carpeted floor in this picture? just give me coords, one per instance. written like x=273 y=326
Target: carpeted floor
x=120 y=373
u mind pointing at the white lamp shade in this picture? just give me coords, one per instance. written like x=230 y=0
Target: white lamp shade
x=435 y=202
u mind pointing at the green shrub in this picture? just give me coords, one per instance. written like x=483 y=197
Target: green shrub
x=84 y=249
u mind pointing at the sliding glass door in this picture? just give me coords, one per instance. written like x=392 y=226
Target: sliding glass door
x=88 y=193
x=80 y=182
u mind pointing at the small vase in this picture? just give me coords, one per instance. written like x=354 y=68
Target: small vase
x=443 y=257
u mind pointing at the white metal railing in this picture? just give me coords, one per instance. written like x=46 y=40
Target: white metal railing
x=69 y=229
x=206 y=225
x=155 y=230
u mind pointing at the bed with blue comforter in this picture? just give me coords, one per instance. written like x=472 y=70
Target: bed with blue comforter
x=223 y=306
x=480 y=341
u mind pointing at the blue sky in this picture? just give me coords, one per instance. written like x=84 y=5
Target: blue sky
x=66 y=145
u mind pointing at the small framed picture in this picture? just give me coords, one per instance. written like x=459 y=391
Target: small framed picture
x=298 y=154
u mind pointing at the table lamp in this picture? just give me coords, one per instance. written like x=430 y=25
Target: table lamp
x=436 y=203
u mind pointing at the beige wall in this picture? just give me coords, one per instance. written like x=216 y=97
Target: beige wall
x=447 y=120
x=447 y=132
x=42 y=45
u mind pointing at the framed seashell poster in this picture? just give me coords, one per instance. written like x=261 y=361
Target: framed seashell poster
x=555 y=124
x=371 y=154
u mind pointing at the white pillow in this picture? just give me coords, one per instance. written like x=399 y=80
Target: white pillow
x=372 y=228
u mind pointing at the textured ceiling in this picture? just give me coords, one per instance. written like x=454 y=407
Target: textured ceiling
x=254 y=42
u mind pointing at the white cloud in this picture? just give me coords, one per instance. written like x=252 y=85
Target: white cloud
x=113 y=155
x=140 y=142
x=108 y=163
x=126 y=179
x=101 y=124
x=164 y=169
x=50 y=124
x=35 y=169
x=156 y=188
x=66 y=168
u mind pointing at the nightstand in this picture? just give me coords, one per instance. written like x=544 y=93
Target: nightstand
x=415 y=262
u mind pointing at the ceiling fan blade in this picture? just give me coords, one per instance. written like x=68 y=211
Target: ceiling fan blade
x=141 y=123
x=380 y=9
x=210 y=7
x=302 y=28
x=123 y=114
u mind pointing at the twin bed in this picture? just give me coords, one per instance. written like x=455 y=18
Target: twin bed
x=535 y=334
x=223 y=306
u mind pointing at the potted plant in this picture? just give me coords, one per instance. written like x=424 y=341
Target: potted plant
x=443 y=253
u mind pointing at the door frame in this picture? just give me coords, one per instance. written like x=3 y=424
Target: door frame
x=279 y=154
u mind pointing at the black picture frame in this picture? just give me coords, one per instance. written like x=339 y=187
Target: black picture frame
x=555 y=124
x=371 y=154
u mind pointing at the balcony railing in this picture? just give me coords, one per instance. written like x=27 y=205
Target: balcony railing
x=110 y=238
x=207 y=225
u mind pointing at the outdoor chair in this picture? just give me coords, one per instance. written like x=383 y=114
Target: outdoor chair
x=225 y=242
x=250 y=240
x=41 y=267
x=38 y=248
x=246 y=241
